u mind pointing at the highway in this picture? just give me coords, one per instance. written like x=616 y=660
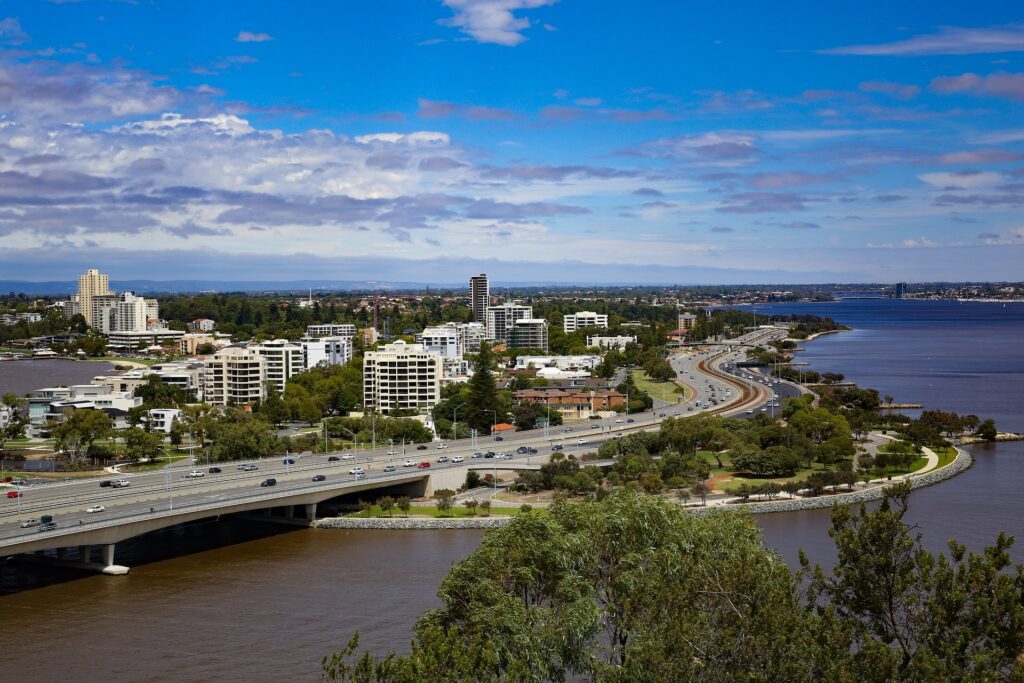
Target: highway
x=709 y=373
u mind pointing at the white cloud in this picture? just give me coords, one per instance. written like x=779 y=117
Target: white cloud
x=962 y=180
x=250 y=37
x=170 y=122
x=412 y=139
x=492 y=21
x=949 y=40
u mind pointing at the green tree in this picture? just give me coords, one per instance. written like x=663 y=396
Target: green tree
x=241 y=440
x=483 y=408
x=485 y=507
x=987 y=430
x=471 y=505
x=387 y=504
x=140 y=444
x=15 y=428
x=444 y=498
x=403 y=505
x=80 y=430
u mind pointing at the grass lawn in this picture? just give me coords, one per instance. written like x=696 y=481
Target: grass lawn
x=432 y=511
x=115 y=360
x=739 y=480
x=946 y=455
x=663 y=391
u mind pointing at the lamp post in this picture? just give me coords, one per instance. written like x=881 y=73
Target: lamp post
x=455 y=423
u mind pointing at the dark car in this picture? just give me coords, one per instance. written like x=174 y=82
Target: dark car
x=269 y=482
x=630 y=420
x=319 y=477
x=488 y=454
x=421 y=447
x=105 y=484
x=523 y=449
x=499 y=438
x=333 y=458
x=215 y=470
x=289 y=461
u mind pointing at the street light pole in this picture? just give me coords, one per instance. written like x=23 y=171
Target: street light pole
x=455 y=423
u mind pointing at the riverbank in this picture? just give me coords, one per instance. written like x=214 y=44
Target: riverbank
x=406 y=523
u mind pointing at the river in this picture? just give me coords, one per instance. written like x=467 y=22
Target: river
x=270 y=607
x=23 y=376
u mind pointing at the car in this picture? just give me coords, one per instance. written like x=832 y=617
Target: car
x=119 y=483
x=488 y=454
x=390 y=468
x=523 y=449
x=630 y=420
x=508 y=456
x=443 y=458
x=14 y=494
x=18 y=481
x=357 y=470
x=320 y=477
x=457 y=458
x=580 y=442
x=105 y=484
x=764 y=410
x=750 y=411
x=409 y=463
x=215 y=470
x=28 y=523
x=348 y=456
x=333 y=458
x=557 y=447
x=95 y=508
x=268 y=482
x=47 y=526
x=619 y=421
x=690 y=409
x=194 y=474
x=392 y=452
x=442 y=445
x=423 y=465
x=595 y=426
x=289 y=461
x=478 y=454
x=421 y=447
x=619 y=435
x=248 y=467
x=661 y=414
x=499 y=438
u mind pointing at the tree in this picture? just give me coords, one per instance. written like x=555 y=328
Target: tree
x=15 y=428
x=140 y=444
x=403 y=505
x=241 y=440
x=80 y=429
x=987 y=430
x=483 y=408
x=485 y=507
x=471 y=505
x=914 y=616
x=444 y=499
x=701 y=490
x=386 y=503
x=273 y=407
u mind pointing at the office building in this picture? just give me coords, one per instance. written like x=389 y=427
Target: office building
x=577 y=321
x=901 y=290
x=284 y=359
x=326 y=351
x=134 y=341
x=401 y=375
x=500 y=319
x=331 y=330
x=479 y=297
x=234 y=376
x=529 y=333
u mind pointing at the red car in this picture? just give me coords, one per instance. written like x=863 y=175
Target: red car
x=14 y=494
x=423 y=465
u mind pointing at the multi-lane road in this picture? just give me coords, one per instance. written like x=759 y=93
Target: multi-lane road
x=718 y=388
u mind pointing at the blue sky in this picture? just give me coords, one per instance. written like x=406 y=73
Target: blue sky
x=422 y=140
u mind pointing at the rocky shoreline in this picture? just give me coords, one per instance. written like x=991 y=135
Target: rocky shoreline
x=410 y=523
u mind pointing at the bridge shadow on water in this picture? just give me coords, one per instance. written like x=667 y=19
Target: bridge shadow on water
x=22 y=573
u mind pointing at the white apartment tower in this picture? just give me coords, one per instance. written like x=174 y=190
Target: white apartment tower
x=443 y=339
x=401 y=375
x=577 y=321
x=326 y=351
x=234 y=376
x=529 y=333
x=92 y=283
x=283 y=358
x=479 y=297
x=500 y=319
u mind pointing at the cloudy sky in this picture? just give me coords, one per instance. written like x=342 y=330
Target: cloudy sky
x=556 y=140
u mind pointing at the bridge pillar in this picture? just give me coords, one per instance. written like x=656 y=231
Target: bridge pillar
x=311 y=512
x=62 y=553
x=84 y=553
x=108 y=562
x=289 y=511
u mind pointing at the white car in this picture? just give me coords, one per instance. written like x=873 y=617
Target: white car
x=389 y=468
x=245 y=467
x=443 y=458
x=348 y=456
x=392 y=452
x=194 y=474
x=409 y=463
x=119 y=483
x=457 y=458
x=95 y=508
x=580 y=442
x=442 y=445
x=619 y=421
x=357 y=471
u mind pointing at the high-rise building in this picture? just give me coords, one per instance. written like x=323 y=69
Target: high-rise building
x=234 y=376
x=284 y=359
x=401 y=375
x=443 y=339
x=687 y=321
x=500 y=319
x=326 y=351
x=901 y=290
x=91 y=284
x=529 y=333
x=479 y=297
x=577 y=321
x=130 y=313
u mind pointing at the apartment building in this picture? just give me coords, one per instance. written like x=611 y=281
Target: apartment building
x=502 y=317
x=401 y=375
x=132 y=340
x=92 y=284
x=687 y=321
x=619 y=342
x=331 y=330
x=202 y=325
x=326 y=351
x=560 y=362
x=573 y=404
x=284 y=359
x=234 y=376
x=479 y=297
x=443 y=339
x=529 y=333
x=577 y=321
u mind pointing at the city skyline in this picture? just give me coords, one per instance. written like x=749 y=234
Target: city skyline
x=533 y=140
